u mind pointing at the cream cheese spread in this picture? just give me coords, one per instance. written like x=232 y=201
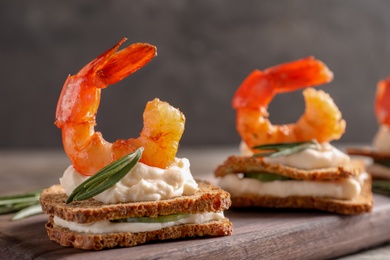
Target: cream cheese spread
x=323 y=155
x=339 y=189
x=115 y=227
x=142 y=183
x=381 y=140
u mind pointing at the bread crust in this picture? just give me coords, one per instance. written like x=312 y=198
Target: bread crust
x=88 y=241
x=361 y=204
x=369 y=152
x=245 y=164
x=208 y=198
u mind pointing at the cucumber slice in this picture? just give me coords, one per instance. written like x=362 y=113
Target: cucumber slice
x=159 y=219
x=266 y=176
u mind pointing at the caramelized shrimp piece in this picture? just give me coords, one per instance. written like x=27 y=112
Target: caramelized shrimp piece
x=79 y=101
x=382 y=102
x=321 y=120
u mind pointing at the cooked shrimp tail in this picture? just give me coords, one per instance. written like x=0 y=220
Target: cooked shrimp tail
x=382 y=102
x=79 y=102
x=80 y=96
x=321 y=121
x=259 y=88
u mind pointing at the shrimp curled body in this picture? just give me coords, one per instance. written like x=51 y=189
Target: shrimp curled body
x=79 y=102
x=321 y=120
x=382 y=102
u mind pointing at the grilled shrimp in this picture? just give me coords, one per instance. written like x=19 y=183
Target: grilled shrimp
x=321 y=120
x=79 y=102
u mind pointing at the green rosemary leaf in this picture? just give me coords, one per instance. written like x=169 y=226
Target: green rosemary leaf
x=19 y=202
x=29 y=211
x=381 y=186
x=106 y=177
x=19 y=196
x=282 y=149
x=7 y=209
x=279 y=146
x=100 y=176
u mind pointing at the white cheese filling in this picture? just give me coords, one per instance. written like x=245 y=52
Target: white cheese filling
x=381 y=140
x=324 y=155
x=340 y=189
x=142 y=183
x=102 y=227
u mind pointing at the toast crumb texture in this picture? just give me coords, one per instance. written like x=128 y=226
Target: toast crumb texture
x=88 y=241
x=369 y=152
x=208 y=198
x=362 y=204
x=243 y=164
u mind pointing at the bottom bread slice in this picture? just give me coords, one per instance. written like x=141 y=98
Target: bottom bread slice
x=89 y=241
x=361 y=204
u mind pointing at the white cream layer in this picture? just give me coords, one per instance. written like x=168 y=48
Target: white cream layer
x=381 y=140
x=340 y=189
x=142 y=183
x=324 y=155
x=102 y=227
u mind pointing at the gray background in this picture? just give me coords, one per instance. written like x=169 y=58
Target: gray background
x=206 y=48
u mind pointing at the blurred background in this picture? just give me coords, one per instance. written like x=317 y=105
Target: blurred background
x=205 y=50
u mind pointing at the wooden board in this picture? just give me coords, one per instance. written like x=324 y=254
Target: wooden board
x=268 y=234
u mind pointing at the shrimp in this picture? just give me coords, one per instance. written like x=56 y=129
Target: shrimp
x=321 y=120
x=382 y=102
x=79 y=101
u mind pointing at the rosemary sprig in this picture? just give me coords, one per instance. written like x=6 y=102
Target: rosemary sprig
x=106 y=177
x=281 y=149
x=20 y=203
x=381 y=187
x=29 y=211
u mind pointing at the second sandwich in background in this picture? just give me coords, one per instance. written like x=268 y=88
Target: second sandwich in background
x=294 y=165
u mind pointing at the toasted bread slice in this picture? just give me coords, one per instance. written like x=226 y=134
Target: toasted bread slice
x=369 y=152
x=208 y=198
x=361 y=204
x=242 y=164
x=377 y=170
x=88 y=241
x=245 y=164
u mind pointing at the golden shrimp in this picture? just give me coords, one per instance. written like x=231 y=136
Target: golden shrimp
x=79 y=101
x=321 y=121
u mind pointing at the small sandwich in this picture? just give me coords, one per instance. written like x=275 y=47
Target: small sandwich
x=275 y=182
x=294 y=165
x=94 y=225
x=379 y=152
x=134 y=190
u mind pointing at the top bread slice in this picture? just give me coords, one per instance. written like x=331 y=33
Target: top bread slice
x=208 y=198
x=247 y=164
x=369 y=152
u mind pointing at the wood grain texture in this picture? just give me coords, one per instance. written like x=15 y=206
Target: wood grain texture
x=269 y=234
x=258 y=233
